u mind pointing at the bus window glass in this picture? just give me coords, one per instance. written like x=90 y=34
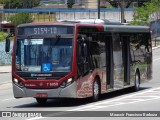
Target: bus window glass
x=44 y=55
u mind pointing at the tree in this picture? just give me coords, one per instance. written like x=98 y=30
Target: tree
x=2 y=1
x=141 y=16
x=20 y=18
x=70 y=3
x=9 y=4
x=30 y=3
x=2 y=36
x=117 y=3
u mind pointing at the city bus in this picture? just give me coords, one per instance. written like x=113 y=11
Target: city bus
x=79 y=59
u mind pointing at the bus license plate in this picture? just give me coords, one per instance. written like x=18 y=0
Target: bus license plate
x=42 y=95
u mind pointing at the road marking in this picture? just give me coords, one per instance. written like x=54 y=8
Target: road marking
x=115 y=102
x=99 y=107
x=36 y=118
x=92 y=105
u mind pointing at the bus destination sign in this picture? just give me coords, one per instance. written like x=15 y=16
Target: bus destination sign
x=45 y=30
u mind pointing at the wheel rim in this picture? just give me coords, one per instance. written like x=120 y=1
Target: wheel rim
x=96 y=89
x=137 y=81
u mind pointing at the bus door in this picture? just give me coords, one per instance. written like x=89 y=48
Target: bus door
x=109 y=62
x=126 y=58
x=84 y=69
x=118 y=64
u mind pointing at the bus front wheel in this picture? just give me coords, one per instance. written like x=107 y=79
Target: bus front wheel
x=41 y=100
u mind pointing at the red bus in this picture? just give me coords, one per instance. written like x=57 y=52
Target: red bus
x=79 y=59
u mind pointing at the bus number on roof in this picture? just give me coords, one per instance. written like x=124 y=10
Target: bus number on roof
x=50 y=30
x=45 y=30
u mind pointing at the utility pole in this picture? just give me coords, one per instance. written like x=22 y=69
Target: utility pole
x=138 y=3
x=9 y=4
x=121 y=4
x=98 y=9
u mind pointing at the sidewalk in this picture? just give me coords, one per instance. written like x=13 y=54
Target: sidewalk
x=5 y=69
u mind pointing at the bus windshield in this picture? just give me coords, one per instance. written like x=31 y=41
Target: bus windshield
x=44 y=55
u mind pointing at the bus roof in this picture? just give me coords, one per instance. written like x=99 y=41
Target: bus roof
x=126 y=28
x=93 y=21
x=111 y=27
x=43 y=23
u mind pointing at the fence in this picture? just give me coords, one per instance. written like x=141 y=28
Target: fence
x=36 y=17
x=52 y=14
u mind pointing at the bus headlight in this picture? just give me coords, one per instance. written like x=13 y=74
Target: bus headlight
x=15 y=80
x=67 y=82
x=18 y=83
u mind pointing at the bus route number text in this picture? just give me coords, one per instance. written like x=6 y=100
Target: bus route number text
x=45 y=30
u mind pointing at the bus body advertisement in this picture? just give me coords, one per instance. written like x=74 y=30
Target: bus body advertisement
x=78 y=60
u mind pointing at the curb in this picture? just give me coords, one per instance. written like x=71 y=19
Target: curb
x=5 y=82
x=5 y=69
x=153 y=48
x=4 y=72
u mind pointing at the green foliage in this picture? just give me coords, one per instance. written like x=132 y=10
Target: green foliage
x=3 y=36
x=70 y=3
x=30 y=3
x=19 y=3
x=109 y=6
x=20 y=18
x=3 y=1
x=141 y=16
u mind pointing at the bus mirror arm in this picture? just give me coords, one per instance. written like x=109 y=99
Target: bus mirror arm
x=7 y=45
x=79 y=41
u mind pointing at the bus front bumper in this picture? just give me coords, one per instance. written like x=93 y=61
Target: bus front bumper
x=67 y=92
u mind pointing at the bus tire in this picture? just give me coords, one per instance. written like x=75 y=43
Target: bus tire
x=41 y=100
x=137 y=81
x=96 y=91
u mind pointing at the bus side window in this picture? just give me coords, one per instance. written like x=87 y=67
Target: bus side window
x=83 y=64
x=79 y=53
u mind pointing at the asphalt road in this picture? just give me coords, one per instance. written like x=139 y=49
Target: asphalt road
x=147 y=99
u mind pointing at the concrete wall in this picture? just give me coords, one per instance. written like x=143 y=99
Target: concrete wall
x=104 y=15
x=91 y=4
x=5 y=59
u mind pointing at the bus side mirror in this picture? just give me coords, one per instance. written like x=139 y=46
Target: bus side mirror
x=79 y=41
x=7 y=45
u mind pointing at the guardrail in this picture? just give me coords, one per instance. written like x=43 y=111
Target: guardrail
x=45 y=10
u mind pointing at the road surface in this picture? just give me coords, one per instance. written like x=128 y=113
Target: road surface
x=147 y=99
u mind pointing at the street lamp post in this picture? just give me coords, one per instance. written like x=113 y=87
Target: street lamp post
x=98 y=9
x=122 y=11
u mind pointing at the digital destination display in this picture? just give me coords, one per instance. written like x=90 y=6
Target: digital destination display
x=45 y=30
